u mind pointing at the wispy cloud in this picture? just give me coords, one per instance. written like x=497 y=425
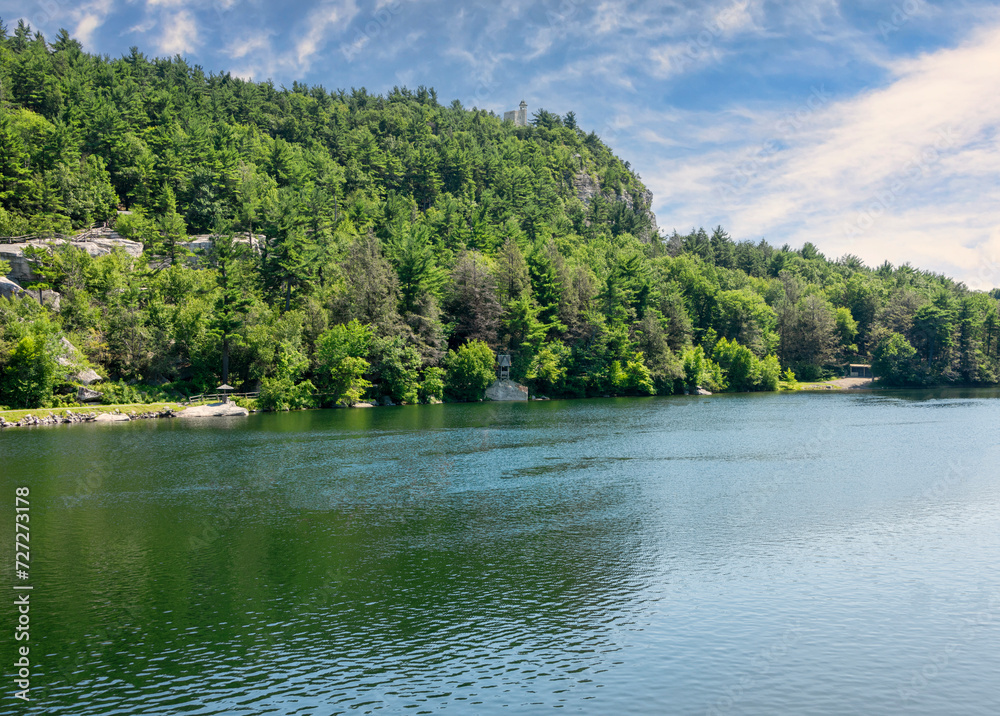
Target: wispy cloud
x=89 y=18
x=327 y=19
x=903 y=172
x=178 y=33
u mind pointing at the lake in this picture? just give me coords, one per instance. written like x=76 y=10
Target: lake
x=734 y=554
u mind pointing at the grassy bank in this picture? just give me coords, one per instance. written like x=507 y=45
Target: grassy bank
x=12 y=416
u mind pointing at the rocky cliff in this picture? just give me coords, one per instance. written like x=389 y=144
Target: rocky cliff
x=587 y=187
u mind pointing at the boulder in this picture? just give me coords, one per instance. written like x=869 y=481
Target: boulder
x=111 y=418
x=88 y=376
x=507 y=391
x=362 y=405
x=86 y=395
x=698 y=390
x=213 y=410
x=8 y=288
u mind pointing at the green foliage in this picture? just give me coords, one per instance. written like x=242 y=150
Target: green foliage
x=471 y=370
x=388 y=229
x=121 y=393
x=742 y=370
x=893 y=360
x=634 y=378
x=701 y=371
x=394 y=369
x=136 y=226
x=547 y=371
x=282 y=393
x=251 y=404
x=28 y=373
x=432 y=387
x=340 y=355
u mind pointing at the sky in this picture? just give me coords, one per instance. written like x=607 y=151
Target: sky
x=867 y=128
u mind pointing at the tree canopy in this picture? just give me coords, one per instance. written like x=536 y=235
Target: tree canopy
x=362 y=241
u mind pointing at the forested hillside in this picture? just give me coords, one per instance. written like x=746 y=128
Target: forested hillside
x=401 y=244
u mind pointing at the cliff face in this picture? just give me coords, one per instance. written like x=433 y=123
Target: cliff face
x=586 y=188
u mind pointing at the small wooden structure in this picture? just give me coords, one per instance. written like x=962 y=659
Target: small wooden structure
x=503 y=360
x=859 y=370
x=225 y=389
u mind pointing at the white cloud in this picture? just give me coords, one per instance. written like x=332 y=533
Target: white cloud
x=255 y=43
x=906 y=172
x=179 y=33
x=335 y=15
x=89 y=17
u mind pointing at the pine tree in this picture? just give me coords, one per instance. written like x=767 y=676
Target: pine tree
x=233 y=299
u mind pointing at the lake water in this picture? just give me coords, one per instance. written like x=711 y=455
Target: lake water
x=743 y=554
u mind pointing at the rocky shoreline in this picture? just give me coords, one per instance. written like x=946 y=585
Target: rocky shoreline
x=72 y=417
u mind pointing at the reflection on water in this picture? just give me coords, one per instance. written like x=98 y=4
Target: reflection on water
x=740 y=554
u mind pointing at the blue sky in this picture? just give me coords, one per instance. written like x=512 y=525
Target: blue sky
x=865 y=127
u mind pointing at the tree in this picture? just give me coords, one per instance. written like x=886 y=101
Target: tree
x=892 y=359
x=744 y=316
x=173 y=231
x=547 y=370
x=371 y=287
x=28 y=377
x=44 y=265
x=419 y=275
x=847 y=329
x=723 y=249
x=394 y=368
x=233 y=302
x=700 y=371
x=471 y=370
x=15 y=175
x=340 y=357
x=511 y=273
x=932 y=329
x=807 y=328
x=634 y=378
x=472 y=303
x=432 y=387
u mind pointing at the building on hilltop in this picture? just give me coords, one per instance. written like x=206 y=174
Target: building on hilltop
x=518 y=116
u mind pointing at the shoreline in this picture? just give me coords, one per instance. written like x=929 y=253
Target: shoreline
x=152 y=411
x=69 y=416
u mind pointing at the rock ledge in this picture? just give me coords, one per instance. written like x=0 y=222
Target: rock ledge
x=213 y=410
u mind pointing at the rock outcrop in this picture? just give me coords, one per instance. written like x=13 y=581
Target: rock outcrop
x=213 y=410
x=587 y=187
x=9 y=288
x=507 y=391
x=76 y=365
x=96 y=242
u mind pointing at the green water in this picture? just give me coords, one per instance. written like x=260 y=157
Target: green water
x=755 y=554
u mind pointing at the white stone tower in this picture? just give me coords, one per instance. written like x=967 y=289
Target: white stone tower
x=518 y=116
